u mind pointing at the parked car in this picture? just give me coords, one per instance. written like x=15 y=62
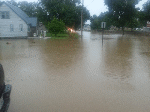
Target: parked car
x=5 y=91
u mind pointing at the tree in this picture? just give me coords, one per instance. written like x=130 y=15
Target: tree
x=146 y=10
x=13 y=2
x=66 y=10
x=30 y=8
x=94 y=22
x=144 y=14
x=142 y=19
x=123 y=12
x=134 y=23
x=103 y=17
x=56 y=26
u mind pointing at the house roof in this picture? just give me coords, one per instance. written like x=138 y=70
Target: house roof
x=32 y=21
x=29 y=20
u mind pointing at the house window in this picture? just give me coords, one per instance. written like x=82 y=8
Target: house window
x=5 y=15
x=21 y=27
x=11 y=27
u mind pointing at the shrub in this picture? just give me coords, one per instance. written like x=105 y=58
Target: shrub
x=56 y=26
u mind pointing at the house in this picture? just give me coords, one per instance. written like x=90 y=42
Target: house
x=87 y=27
x=15 y=23
x=41 y=28
x=147 y=28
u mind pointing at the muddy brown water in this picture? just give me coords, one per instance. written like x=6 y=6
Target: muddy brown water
x=78 y=75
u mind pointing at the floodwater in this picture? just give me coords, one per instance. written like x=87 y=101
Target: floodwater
x=78 y=75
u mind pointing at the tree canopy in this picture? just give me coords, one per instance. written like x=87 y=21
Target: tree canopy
x=103 y=17
x=113 y=3
x=145 y=13
x=124 y=13
x=30 y=8
x=66 y=10
x=121 y=13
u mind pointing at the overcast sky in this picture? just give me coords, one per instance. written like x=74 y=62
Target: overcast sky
x=94 y=6
x=97 y=6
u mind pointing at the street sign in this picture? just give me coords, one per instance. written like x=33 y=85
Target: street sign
x=148 y=24
x=103 y=24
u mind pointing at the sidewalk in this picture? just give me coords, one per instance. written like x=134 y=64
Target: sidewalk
x=38 y=37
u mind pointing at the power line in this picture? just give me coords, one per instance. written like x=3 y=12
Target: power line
x=90 y=3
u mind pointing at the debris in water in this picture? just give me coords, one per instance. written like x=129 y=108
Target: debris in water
x=8 y=43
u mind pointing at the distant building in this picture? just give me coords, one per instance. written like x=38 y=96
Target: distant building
x=16 y=23
x=87 y=27
x=113 y=27
x=41 y=28
x=147 y=28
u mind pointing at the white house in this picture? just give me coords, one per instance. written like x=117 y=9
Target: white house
x=15 y=23
x=87 y=27
x=147 y=28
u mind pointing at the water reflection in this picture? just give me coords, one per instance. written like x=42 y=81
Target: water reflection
x=118 y=59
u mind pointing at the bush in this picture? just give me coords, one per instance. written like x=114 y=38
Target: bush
x=56 y=26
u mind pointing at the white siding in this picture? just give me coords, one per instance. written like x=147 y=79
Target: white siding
x=15 y=20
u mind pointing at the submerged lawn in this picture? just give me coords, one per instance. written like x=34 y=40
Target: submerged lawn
x=62 y=36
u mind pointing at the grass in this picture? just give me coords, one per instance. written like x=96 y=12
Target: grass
x=62 y=36
x=48 y=34
x=76 y=35
x=58 y=36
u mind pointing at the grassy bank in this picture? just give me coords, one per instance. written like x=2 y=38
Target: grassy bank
x=62 y=36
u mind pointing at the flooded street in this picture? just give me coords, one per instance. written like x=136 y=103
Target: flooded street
x=78 y=75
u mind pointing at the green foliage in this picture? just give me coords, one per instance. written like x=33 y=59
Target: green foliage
x=62 y=35
x=95 y=23
x=103 y=17
x=142 y=19
x=146 y=10
x=134 y=23
x=56 y=26
x=113 y=3
x=30 y=8
x=66 y=10
x=123 y=12
x=144 y=14
x=58 y=36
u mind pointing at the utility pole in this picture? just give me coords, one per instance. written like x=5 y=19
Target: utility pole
x=82 y=18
